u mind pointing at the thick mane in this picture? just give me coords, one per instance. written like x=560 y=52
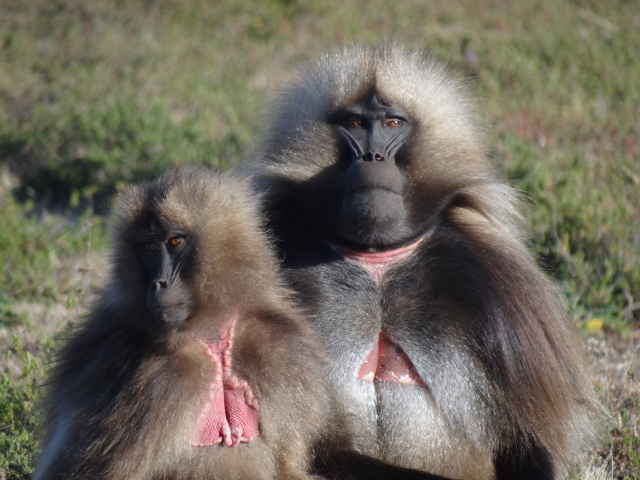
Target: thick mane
x=448 y=150
x=374 y=152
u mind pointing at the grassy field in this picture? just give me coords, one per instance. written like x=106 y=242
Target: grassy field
x=96 y=95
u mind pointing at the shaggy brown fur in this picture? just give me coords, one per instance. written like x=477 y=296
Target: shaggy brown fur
x=125 y=395
x=502 y=391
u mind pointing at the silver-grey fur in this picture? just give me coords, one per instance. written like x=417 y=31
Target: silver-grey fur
x=506 y=395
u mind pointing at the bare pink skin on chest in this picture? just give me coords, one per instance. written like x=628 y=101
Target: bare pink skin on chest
x=230 y=414
x=386 y=362
x=376 y=263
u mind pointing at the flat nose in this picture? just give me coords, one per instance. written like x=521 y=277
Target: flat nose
x=371 y=156
x=158 y=285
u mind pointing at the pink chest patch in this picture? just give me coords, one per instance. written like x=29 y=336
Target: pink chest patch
x=376 y=263
x=387 y=362
x=230 y=414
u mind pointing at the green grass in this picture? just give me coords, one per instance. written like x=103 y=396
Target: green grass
x=19 y=415
x=38 y=250
x=96 y=95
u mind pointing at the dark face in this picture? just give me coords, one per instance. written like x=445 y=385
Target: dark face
x=373 y=212
x=167 y=258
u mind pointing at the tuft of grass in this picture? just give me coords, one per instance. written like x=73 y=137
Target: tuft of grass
x=615 y=366
x=8 y=316
x=620 y=452
x=19 y=416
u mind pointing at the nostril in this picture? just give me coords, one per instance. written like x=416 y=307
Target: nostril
x=162 y=284
x=367 y=157
x=379 y=158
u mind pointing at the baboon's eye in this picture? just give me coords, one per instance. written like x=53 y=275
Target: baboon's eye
x=177 y=241
x=149 y=246
x=393 y=122
x=353 y=122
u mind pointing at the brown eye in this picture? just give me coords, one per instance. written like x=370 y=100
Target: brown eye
x=394 y=122
x=353 y=122
x=176 y=241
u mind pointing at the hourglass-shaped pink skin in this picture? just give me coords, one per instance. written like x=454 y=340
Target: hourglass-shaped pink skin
x=230 y=413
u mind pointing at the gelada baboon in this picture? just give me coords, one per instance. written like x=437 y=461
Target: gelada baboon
x=449 y=351
x=193 y=363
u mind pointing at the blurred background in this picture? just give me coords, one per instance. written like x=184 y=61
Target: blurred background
x=97 y=95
